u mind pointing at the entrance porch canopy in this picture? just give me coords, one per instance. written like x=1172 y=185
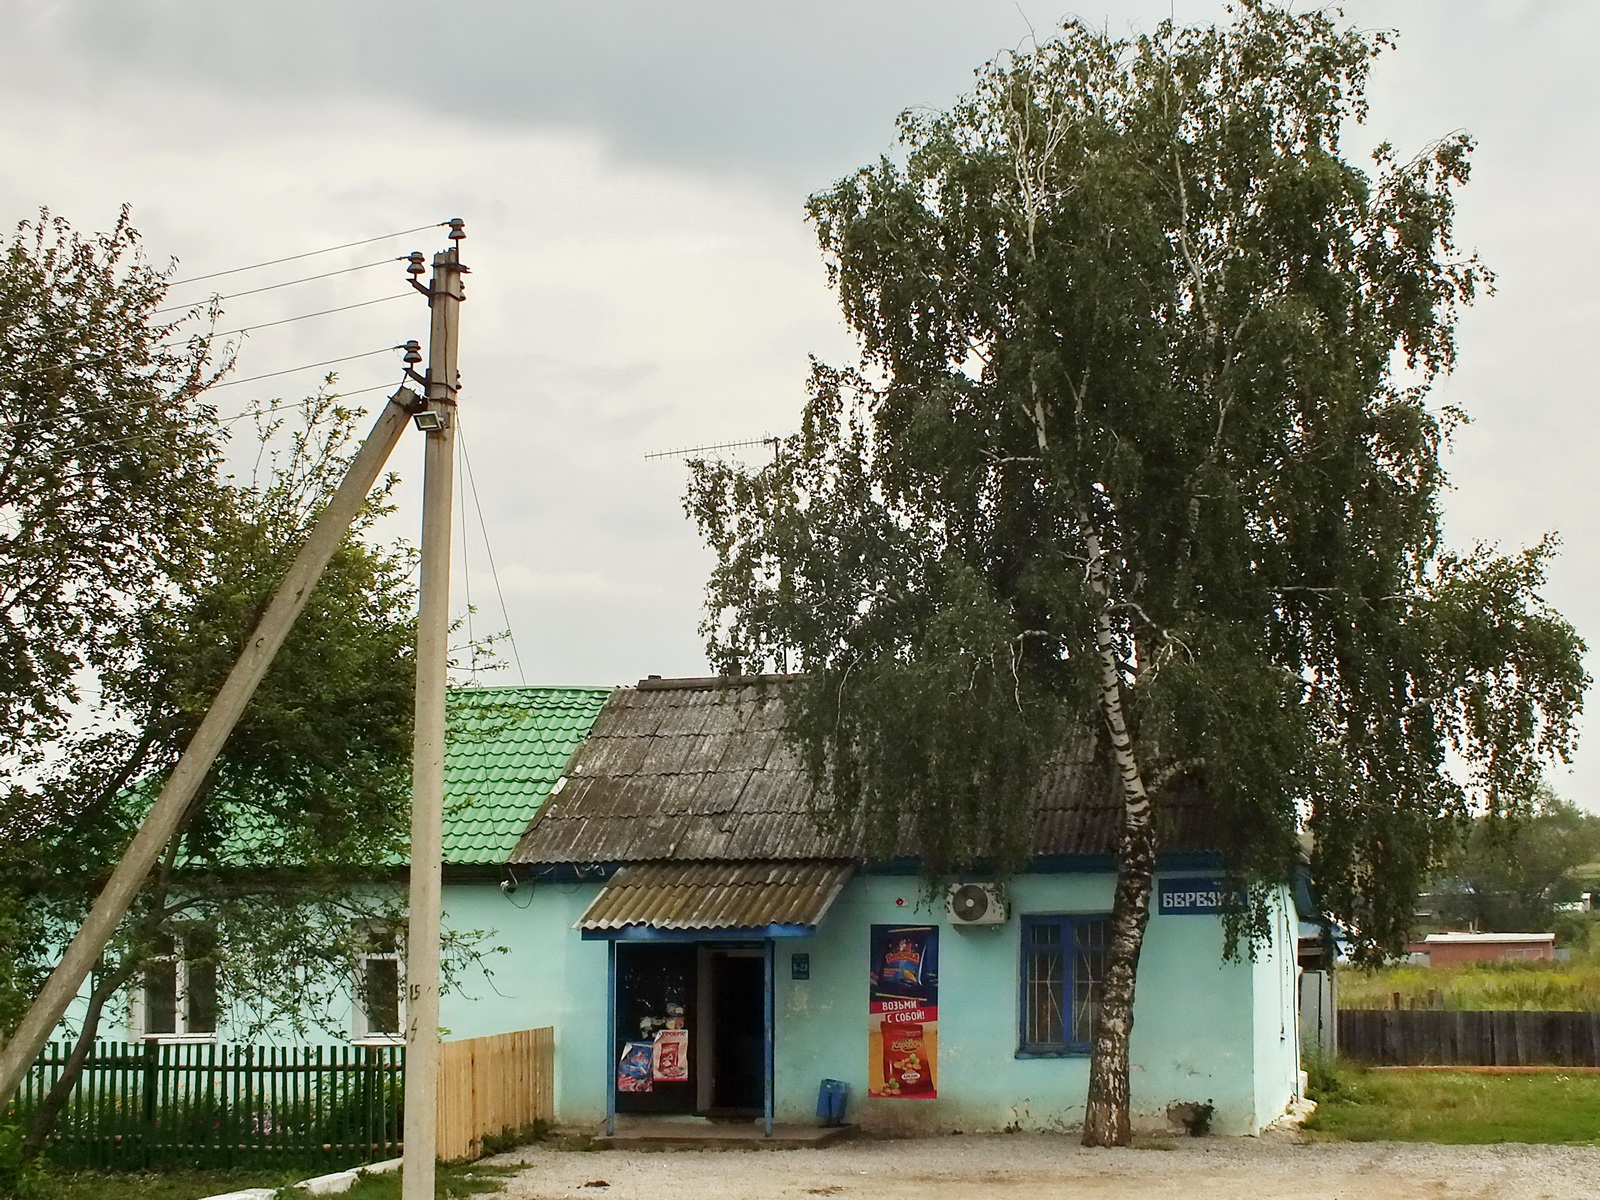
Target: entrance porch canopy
x=704 y=901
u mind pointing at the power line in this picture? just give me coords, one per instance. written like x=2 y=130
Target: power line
x=228 y=420
x=488 y=549
x=78 y=413
x=308 y=254
x=308 y=366
x=287 y=283
x=466 y=576
x=339 y=395
x=307 y=316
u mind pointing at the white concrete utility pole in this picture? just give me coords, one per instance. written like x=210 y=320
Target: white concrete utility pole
x=183 y=785
x=427 y=779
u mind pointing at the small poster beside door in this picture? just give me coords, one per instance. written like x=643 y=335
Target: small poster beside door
x=903 y=1012
x=636 y=1069
x=671 y=1064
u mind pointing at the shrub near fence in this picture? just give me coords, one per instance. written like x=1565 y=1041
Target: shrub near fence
x=154 y=1104
x=1423 y=1037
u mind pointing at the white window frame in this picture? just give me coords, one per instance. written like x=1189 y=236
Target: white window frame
x=361 y=1032
x=181 y=1014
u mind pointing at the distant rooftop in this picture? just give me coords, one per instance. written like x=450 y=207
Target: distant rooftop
x=1478 y=939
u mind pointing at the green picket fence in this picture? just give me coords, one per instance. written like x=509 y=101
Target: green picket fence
x=156 y=1104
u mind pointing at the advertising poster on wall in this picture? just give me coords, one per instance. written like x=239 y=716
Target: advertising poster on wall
x=903 y=1032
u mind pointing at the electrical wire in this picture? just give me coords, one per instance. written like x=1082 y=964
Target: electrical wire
x=306 y=316
x=79 y=413
x=272 y=287
x=227 y=333
x=308 y=254
x=488 y=549
x=327 y=362
x=466 y=572
x=339 y=395
x=228 y=420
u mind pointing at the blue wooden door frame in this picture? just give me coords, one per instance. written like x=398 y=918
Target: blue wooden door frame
x=768 y=1038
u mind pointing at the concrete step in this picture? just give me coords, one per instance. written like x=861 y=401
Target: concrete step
x=644 y=1134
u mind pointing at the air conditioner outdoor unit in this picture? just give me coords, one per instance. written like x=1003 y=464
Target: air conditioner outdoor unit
x=977 y=904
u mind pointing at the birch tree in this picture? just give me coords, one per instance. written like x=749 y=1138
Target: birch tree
x=1142 y=428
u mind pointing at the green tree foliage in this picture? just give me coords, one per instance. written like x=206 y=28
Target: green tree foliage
x=104 y=441
x=1141 y=428
x=276 y=868
x=1512 y=870
x=138 y=571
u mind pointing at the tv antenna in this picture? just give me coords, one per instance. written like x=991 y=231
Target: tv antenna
x=686 y=451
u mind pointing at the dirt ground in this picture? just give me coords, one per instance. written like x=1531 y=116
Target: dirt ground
x=1045 y=1167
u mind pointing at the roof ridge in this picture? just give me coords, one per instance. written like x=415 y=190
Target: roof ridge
x=534 y=687
x=655 y=683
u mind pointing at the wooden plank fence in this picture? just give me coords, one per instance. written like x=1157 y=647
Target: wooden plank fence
x=1431 y=1037
x=145 y=1104
x=491 y=1086
x=149 y=1104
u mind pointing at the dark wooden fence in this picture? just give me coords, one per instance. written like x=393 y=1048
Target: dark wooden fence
x=1424 y=1037
x=151 y=1104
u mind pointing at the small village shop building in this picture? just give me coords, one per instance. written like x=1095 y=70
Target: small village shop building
x=706 y=952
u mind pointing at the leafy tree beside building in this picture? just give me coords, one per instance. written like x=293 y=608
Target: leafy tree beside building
x=1141 y=427
x=136 y=569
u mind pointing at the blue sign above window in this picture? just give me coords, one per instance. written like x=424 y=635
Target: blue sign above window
x=1199 y=896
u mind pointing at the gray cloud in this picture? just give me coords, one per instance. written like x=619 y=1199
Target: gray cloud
x=633 y=171
x=797 y=92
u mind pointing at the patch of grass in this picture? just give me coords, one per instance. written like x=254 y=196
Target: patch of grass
x=1443 y=1106
x=1470 y=987
x=469 y=1179
x=511 y=1139
x=163 y=1185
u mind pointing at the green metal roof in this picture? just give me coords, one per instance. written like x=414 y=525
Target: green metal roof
x=505 y=749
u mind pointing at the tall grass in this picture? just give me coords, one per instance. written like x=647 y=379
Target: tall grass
x=1476 y=987
x=1360 y=1106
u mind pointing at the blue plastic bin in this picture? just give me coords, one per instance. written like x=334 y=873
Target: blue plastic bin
x=832 y=1097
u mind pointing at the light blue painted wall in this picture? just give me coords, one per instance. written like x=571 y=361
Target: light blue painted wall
x=1193 y=1018
x=549 y=977
x=1204 y=1029
x=1277 y=1043
x=473 y=1007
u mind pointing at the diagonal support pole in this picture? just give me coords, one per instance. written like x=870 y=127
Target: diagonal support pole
x=167 y=813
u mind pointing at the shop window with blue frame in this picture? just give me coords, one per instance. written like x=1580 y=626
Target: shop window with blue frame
x=1062 y=970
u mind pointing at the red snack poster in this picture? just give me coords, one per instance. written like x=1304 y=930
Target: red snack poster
x=903 y=1012
x=671 y=1056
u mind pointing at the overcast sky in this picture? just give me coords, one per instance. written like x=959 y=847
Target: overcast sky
x=633 y=174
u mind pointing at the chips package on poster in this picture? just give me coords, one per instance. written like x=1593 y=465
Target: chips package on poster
x=636 y=1069
x=671 y=1056
x=903 y=960
x=907 y=1064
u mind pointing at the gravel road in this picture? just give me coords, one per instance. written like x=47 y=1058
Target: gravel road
x=1044 y=1167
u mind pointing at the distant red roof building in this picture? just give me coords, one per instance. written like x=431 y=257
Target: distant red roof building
x=1448 y=949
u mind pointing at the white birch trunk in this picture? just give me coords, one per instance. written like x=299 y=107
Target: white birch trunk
x=1106 y=1119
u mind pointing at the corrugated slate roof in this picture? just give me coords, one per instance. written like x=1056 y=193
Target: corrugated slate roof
x=505 y=750
x=716 y=895
x=701 y=769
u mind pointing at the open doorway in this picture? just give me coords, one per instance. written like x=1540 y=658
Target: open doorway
x=717 y=994
x=732 y=1060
